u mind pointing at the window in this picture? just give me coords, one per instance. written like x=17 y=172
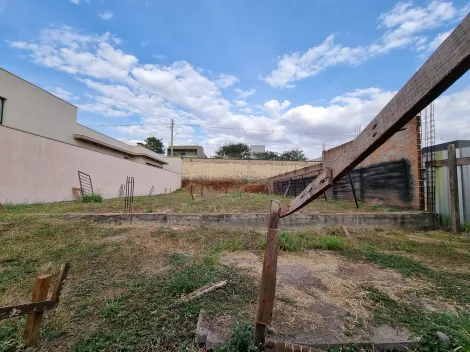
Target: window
x=183 y=154
x=2 y=102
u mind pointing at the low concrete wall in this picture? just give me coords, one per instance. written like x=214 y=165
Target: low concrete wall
x=36 y=169
x=405 y=221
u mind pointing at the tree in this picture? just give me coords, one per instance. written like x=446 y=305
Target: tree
x=268 y=155
x=294 y=155
x=154 y=144
x=234 y=151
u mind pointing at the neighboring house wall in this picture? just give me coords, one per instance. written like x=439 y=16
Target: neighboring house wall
x=230 y=169
x=38 y=169
x=31 y=109
x=174 y=164
x=390 y=175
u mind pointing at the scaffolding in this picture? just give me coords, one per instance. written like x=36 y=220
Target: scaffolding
x=428 y=140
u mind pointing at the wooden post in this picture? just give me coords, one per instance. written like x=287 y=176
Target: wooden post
x=192 y=191
x=353 y=191
x=267 y=286
x=453 y=188
x=33 y=323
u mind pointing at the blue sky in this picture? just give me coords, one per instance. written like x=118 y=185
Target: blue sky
x=282 y=73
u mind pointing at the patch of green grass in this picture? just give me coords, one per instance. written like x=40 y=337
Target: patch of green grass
x=290 y=242
x=241 y=340
x=10 y=338
x=422 y=323
x=92 y=198
x=140 y=318
x=111 y=309
x=452 y=286
x=331 y=243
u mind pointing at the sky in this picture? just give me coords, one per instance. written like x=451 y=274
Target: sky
x=287 y=74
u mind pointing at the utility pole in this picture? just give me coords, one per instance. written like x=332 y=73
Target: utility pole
x=171 y=142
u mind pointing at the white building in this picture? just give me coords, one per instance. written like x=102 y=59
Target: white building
x=43 y=148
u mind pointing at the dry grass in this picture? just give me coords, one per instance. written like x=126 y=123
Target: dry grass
x=181 y=202
x=120 y=273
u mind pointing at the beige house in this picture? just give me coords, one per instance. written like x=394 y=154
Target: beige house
x=43 y=148
x=31 y=109
x=187 y=151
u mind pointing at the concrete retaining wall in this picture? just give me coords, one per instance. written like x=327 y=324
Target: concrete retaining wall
x=405 y=220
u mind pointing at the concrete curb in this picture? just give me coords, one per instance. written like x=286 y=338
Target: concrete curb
x=258 y=221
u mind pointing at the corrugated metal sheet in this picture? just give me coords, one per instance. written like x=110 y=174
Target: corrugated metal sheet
x=442 y=186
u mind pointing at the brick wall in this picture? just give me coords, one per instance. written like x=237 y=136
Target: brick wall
x=243 y=170
x=390 y=175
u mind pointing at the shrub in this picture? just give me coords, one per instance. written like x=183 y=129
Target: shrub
x=240 y=341
x=92 y=198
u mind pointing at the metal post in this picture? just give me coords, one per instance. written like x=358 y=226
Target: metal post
x=171 y=143
x=453 y=187
x=353 y=191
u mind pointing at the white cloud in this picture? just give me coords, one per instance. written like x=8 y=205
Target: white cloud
x=153 y=94
x=225 y=81
x=403 y=26
x=159 y=56
x=243 y=94
x=64 y=94
x=106 y=15
x=274 y=108
x=434 y=44
x=144 y=43
x=76 y=2
x=240 y=103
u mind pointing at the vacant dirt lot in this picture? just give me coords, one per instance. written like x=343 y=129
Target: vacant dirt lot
x=181 y=202
x=374 y=285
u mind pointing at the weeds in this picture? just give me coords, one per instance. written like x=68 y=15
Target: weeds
x=456 y=325
x=452 y=286
x=92 y=198
x=241 y=340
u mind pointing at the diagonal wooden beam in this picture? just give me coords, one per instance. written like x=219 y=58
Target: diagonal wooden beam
x=448 y=63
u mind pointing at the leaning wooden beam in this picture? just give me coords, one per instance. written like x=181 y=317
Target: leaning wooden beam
x=267 y=287
x=448 y=63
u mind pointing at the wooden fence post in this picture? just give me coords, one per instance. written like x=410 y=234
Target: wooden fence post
x=453 y=188
x=33 y=323
x=267 y=286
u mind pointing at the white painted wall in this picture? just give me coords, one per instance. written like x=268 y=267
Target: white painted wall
x=31 y=109
x=37 y=169
x=175 y=164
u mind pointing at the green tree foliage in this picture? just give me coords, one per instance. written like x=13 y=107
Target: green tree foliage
x=294 y=155
x=154 y=144
x=234 y=151
x=268 y=155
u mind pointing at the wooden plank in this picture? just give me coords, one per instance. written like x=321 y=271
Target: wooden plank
x=346 y=232
x=33 y=323
x=64 y=270
x=267 y=286
x=440 y=163
x=28 y=308
x=453 y=187
x=448 y=63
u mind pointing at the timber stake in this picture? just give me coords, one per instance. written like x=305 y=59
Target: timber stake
x=267 y=286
